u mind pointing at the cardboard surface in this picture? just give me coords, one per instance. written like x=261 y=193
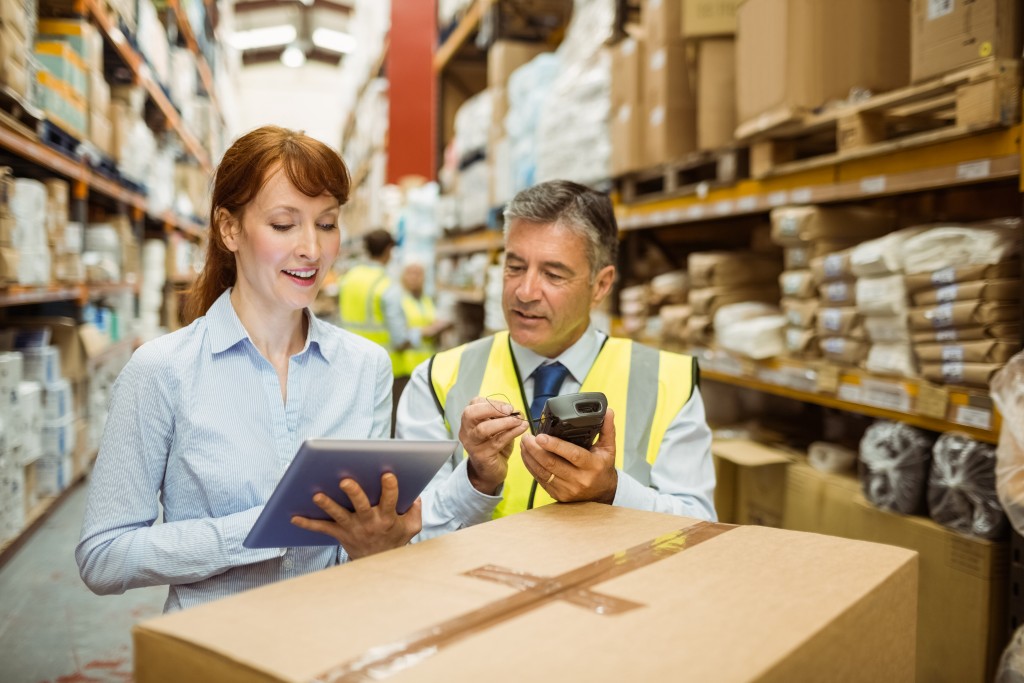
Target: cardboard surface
x=731 y=268
x=981 y=290
x=661 y=21
x=628 y=67
x=670 y=107
x=947 y=35
x=750 y=482
x=962 y=603
x=702 y=18
x=707 y=300
x=751 y=604
x=947 y=276
x=505 y=56
x=794 y=226
x=795 y=55
x=716 y=93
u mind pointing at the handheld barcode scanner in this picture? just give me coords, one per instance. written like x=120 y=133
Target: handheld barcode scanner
x=575 y=418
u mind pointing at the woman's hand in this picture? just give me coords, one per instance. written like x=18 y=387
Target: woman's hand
x=371 y=528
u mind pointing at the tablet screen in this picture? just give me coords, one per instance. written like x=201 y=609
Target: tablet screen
x=318 y=467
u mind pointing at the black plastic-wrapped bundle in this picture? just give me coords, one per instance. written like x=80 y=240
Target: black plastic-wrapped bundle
x=893 y=466
x=962 y=487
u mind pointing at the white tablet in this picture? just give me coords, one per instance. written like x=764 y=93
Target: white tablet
x=321 y=464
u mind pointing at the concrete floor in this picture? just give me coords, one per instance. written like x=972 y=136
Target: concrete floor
x=52 y=628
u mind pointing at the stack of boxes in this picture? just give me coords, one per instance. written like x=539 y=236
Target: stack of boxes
x=26 y=201
x=76 y=95
x=669 y=125
x=810 y=236
x=718 y=279
x=15 y=45
x=13 y=500
x=709 y=27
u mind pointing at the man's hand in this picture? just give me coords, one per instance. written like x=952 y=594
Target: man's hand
x=370 y=529
x=579 y=474
x=486 y=434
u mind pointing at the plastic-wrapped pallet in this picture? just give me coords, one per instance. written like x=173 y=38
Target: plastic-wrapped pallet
x=528 y=89
x=962 y=487
x=574 y=135
x=894 y=464
x=949 y=246
x=1007 y=391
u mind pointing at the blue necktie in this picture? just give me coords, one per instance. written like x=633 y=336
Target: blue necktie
x=546 y=381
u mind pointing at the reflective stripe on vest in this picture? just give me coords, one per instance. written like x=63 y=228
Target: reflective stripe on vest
x=359 y=303
x=626 y=372
x=419 y=313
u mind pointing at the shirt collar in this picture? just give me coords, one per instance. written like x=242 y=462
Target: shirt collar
x=578 y=358
x=226 y=329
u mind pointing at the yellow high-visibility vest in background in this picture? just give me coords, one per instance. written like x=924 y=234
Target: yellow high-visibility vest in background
x=360 y=304
x=645 y=387
x=419 y=313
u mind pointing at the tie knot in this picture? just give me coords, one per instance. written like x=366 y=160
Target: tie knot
x=548 y=378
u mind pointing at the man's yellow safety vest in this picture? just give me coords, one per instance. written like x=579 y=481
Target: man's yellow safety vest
x=419 y=313
x=361 y=307
x=645 y=387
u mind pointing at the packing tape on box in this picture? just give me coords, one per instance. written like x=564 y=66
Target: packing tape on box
x=573 y=586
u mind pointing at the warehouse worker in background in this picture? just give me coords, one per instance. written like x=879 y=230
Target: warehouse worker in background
x=654 y=449
x=204 y=420
x=421 y=317
x=371 y=305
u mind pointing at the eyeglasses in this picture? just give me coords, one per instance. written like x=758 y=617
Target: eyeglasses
x=502 y=404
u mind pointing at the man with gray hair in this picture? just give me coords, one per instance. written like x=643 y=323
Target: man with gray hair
x=654 y=448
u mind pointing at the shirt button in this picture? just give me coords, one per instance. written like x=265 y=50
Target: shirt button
x=288 y=563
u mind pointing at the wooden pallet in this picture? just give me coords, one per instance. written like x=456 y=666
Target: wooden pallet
x=710 y=169
x=59 y=139
x=956 y=105
x=18 y=114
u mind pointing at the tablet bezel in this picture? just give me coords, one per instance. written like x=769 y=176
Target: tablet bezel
x=320 y=464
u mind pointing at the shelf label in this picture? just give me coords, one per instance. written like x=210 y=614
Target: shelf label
x=746 y=204
x=873 y=185
x=695 y=211
x=932 y=401
x=778 y=198
x=827 y=379
x=973 y=417
x=974 y=170
x=849 y=392
x=886 y=395
x=801 y=196
x=939 y=8
x=723 y=207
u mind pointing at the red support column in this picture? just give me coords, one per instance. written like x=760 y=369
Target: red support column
x=411 y=117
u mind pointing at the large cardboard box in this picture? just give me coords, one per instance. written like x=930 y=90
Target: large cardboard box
x=947 y=35
x=669 y=105
x=716 y=92
x=662 y=21
x=793 y=56
x=963 y=585
x=575 y=592
x=750 y=482
x=627 y=106
x=505 y=56
x=703 y=18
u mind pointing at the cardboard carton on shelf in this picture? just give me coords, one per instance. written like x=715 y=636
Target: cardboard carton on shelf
x=716 y=92
x=505 y=56
x=448 y=608
x=750 y=482
x=670 y=106
x=947 y=36
x=627 y=125
x=962 y=600
x=707 y=18
x=850 y=43
x=662 y=21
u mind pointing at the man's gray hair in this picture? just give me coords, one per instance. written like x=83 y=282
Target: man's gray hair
x=577 y=207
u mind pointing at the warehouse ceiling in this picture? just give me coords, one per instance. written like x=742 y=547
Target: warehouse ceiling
x=291 y=31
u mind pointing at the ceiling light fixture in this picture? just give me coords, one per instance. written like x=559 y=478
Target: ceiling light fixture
x=335 y=41
x=266 y=36
x=293 y=57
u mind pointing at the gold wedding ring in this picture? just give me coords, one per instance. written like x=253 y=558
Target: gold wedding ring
x=550 y=478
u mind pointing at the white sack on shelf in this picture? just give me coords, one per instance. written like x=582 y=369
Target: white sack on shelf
x=952 y=246
x=881 y=256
